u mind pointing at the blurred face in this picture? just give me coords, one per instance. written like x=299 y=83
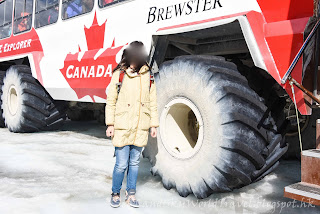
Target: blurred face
x=137 y=57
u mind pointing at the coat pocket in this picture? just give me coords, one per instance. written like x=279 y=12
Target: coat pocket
x=121 y=116
x=145 y=115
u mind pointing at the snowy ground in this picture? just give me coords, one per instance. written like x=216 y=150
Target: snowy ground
x=70 y=171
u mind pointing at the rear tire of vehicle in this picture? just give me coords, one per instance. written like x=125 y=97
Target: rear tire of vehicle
x=230 y=151
x=2 y=125
x=26 y=106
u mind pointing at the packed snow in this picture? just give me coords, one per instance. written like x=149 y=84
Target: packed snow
x=70 y=171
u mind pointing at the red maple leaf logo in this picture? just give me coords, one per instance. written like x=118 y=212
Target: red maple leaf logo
x=90 y=76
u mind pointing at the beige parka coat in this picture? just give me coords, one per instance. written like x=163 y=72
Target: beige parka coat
x=134 y=110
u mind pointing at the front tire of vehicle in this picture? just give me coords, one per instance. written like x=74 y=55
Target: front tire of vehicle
x=26 y=106
x=208 y=138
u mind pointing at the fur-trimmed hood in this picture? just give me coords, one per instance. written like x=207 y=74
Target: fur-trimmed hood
x=131 y=73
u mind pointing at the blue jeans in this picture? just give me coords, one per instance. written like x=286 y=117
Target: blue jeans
x=127 y=157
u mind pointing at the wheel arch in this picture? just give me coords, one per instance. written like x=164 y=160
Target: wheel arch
x=26 y=59
x=237 y=31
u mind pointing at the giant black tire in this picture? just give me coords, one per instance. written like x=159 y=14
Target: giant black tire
x=27 y=107
x=232 y=151
x=2 y=125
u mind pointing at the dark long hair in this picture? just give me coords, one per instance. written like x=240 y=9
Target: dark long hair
x=136 y=54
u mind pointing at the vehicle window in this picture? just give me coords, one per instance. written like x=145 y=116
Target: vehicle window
x=104 y=3
x=5 y=18
x=22 y=15
x=47 y=12
x=72 y=8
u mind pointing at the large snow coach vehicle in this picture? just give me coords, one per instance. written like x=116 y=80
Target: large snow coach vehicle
x=225 y=101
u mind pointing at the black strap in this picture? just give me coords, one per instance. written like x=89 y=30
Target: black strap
x=151 y=78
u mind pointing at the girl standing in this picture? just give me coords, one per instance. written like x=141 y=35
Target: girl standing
x=129 y=115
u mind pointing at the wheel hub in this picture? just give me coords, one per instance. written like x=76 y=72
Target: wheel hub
x=181 y=128
x=13 y=100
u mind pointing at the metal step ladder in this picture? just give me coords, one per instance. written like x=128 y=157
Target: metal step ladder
x=308 y=190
